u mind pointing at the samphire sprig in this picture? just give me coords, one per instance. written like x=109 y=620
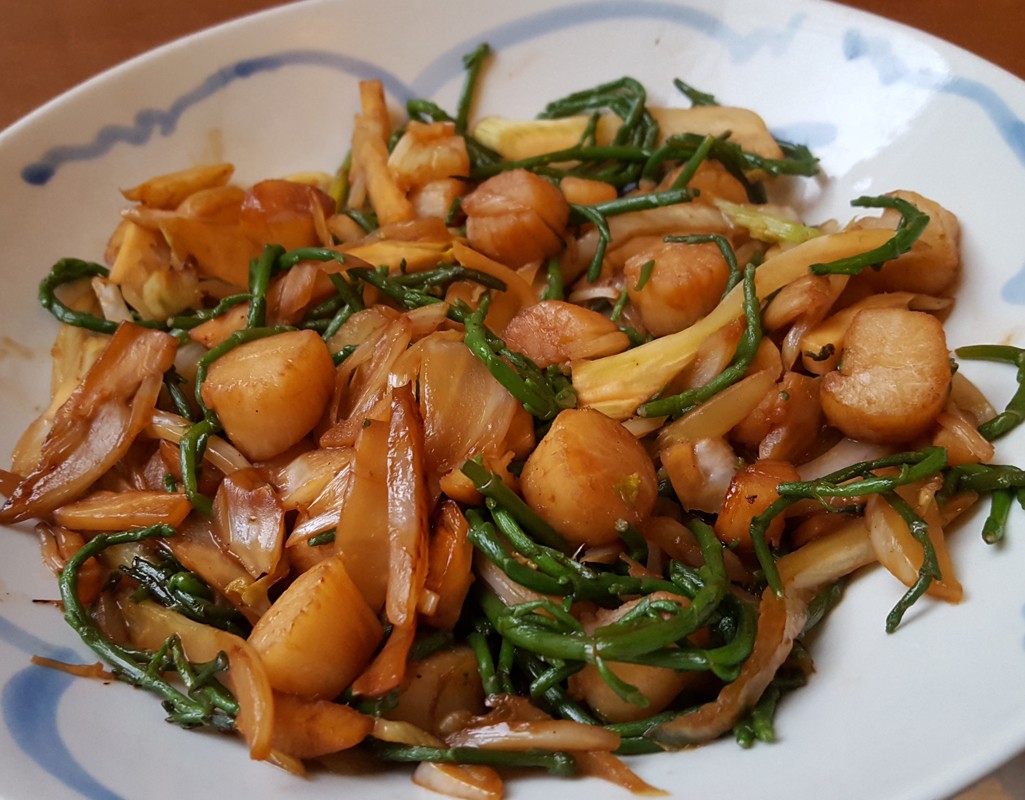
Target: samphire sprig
x=555 y=763
x=545 y=637
x=422 y=110
x=543 y=393
x=67 y=270
x=859 y=480
x=911 y=225
x=1014 y=413
x=165 y=580
x=1003 y=483
x=204 y=701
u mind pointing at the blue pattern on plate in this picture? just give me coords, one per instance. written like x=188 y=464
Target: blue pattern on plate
x=741 y=46
x=150 y=121
x=890 y=69
x=29 y=707
x=448 y=65
x=445 y=67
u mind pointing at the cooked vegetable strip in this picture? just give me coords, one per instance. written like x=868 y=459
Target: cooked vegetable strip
x=747 y=348
x=1003 y=484
x=407 y=512
x=598 y=214
x=423 y=288
x=626 y=98
x=180 y=590
x=420 y=109
x=765 y=226
x=584 y=153
x=996 y=523
x=728 y=254
x=696 y=96
x=191 y=448
x=780 y=621
x=96 y=426
x=492 y=487
x=552 y=573
x=618 y=384
x=553 y=763
x=259 y=280
x=525 y=628
x=693 y=159
x=927 y=573
x=474 y=63
x=758 y=725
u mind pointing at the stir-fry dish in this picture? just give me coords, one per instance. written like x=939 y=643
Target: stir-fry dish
x=512 y=443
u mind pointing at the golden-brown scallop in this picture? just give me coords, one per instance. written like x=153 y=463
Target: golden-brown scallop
x=585 y=191
x=440 y=690
x=516 y=218
x=585 y=474
x=271 y=392
x=751 y=492
x=685 y=283
x=284 y=212
x=555 y=332
x=713 y=181
x=786 y=423
x=893 y=379
x=319 y=635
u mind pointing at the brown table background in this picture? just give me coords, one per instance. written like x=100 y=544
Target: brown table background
x=49 y=46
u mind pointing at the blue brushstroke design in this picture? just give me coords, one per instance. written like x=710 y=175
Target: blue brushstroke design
x=890 y=69
x=448 y=65
x=31 y=699
x=815 y=135
x=1013 y=292
x=740 y=46
x=150 y=121
x=29 y=704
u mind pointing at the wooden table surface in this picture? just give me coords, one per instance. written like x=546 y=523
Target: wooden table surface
x=49 y=46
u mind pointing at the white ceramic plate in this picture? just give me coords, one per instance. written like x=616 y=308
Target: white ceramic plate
x=918 y=714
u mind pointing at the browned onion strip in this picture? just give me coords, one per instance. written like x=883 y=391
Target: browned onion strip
x=829 y=558
x=780 y=620
x=544 y=734
x=474 y=781
x=611 y=768
x=150 y=625
x=408 y=525
x=97 y=424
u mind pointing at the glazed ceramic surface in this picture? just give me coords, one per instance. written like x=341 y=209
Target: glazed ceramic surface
x=910 y=716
